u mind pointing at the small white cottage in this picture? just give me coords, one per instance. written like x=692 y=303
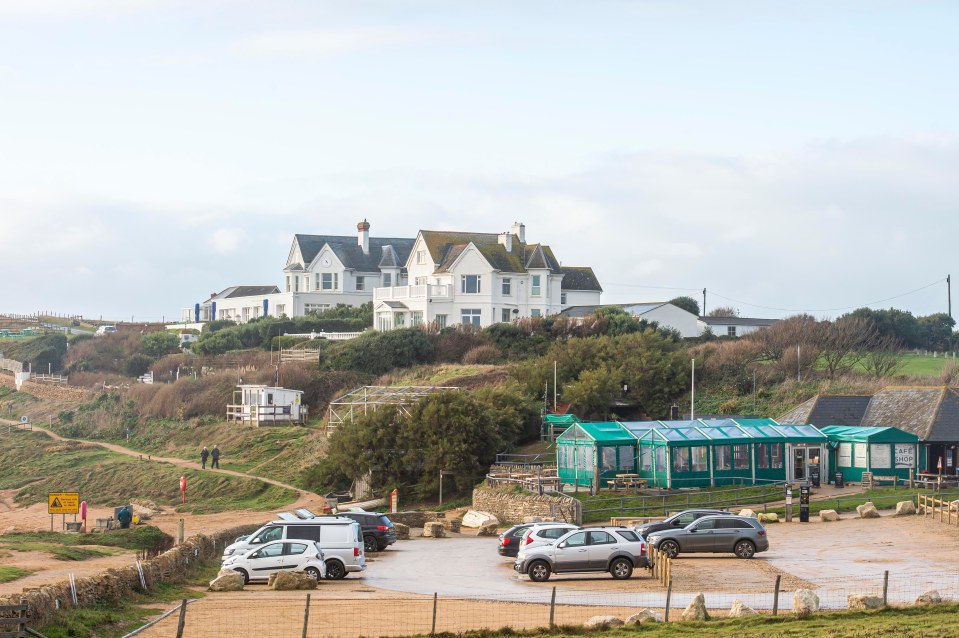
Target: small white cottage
x=264 y=405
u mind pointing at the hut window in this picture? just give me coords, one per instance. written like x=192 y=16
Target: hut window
x=626 y=457
x=776 y=454
x=661 y=459
x=845 y=455
x=585 y=458
x=722 y=457
x=700 y=461
x=740 y=457
x=680 y=459
x=762 y=456
x=609 y=459
x=645 y=458
x=861 y=455
x=880 y=456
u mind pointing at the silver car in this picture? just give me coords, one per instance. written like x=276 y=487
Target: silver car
x=543 y=533
x=741 y=535
x=616 y=550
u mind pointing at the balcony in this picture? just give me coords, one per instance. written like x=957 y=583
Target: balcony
x=422 y=291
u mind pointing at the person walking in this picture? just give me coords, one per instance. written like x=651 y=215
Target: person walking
x=204 y=453
x=215 y=458
x=124 y=517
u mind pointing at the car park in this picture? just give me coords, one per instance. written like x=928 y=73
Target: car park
x=741 y=535
x=277 y=556
x=341 y=540
x=510 y=539
x=378 y=531
x=616 y=550
x=679 y=519
x=543 y=533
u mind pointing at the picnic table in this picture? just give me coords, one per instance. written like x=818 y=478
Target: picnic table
x=932 y=479
x=628 y=481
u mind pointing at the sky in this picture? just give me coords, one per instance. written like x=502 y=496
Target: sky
x=788 y=157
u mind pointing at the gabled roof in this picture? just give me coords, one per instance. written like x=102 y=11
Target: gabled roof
x=579 y=278
x=828 y=409
x=390 y=259
x=737 y=321
x=348 y=251
x=445 y=247
x=634 y=309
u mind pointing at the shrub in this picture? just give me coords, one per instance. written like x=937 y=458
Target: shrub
x=137 y=364
x=377 y=353
x=487 y=354
x=157 y=344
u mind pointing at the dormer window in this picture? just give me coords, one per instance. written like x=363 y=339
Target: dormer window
x=470 y=284
x=387 y=279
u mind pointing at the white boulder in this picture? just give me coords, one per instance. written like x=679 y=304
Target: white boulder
x=905 y=508
x=475 y=519
x=434 y=530
x=858 y=602
x=644 y=616
x=768 y=517
x=805 y=602
x=696 y=609
x=930 y=597
x=227 y=580
x=740 y=609
x=827 y=516
x=748 y=513
x=597 y=622
x=867 y=510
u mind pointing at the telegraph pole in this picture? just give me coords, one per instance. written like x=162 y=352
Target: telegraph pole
x=949 y=293
x=704 y=302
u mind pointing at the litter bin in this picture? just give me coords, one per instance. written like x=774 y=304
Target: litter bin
x=814 y=475
x=803 y=503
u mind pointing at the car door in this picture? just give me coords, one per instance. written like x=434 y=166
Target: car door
x=294 y=555
x=699 y=536
x=601 y=545
x=725 y=535
x=572 y=554
x=266 y=560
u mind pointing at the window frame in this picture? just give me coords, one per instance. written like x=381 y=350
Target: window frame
x=536 y=286
x=506 y=287
x=478 y=284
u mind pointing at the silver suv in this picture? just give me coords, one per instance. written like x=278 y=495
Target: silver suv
x=741 y=535
x=616 y=550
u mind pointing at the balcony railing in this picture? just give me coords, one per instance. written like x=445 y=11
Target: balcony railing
x=421 y=291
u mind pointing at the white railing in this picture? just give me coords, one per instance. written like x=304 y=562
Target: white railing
x=332 y=336
x=421 y=291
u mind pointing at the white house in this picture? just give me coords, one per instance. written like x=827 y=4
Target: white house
x=265 y=405
x=480 y=279
x=663 y=313
x=733 y=326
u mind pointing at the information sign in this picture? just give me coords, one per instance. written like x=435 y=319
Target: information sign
x=63 y=503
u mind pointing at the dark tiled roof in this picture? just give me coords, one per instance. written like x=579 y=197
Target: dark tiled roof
x=446 y=247
x=825 y=409
x=348 y=251
x=579 y=278
x=244 y=291
x=390 y=259
x=737 y=321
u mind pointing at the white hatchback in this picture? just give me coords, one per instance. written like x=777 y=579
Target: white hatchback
x=543 y=534
x=278 y=556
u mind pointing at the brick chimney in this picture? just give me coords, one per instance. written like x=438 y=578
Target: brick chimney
x=519 y=229
x=363 y=230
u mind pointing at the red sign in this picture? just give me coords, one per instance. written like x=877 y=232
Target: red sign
x=183 y=484
x=394 y=500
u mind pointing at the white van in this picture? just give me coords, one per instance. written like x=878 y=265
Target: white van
x=340 y=538
x=103 y=330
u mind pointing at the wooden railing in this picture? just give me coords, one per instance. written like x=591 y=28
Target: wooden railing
x=931 y=506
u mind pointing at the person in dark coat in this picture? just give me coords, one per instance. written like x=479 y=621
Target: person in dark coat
x=204 y=453
x=124 y=517
x=215 y=458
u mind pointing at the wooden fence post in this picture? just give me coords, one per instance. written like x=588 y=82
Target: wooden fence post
x=182 y=622
x=306 y=616
x=433 y=629
x=885 y=589
x=776 y=595
x=669 y=595
x=552 y=609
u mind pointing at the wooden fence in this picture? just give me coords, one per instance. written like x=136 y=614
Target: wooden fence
x=15 y=627
x=932 y=506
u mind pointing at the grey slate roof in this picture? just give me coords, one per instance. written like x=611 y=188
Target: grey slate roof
x=390 y=259
x=635 y=309
x=931 y=412
x=579 y=278
x=244 y=291
x=348 y=251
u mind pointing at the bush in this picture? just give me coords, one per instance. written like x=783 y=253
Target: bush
x=157 y=344
x=483 y=355
x=137 y=364
x=377 y=353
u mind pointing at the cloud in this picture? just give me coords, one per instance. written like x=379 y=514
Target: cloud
x=328 y=42
x=56 y=8
x=227 y=240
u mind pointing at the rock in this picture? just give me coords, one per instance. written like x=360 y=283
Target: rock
x=905 y=508
x=644 y=616
x=476 y=519
x=768 y=517
x=434 y=529
x=805 y=602
x=227 y=580
x=858 y=602
x=867 y=510
x=286 y=581
x=747 y=513
x=597 y=622
x=827 y=516
x=954 y=505
x=488 y=530
x=696 y=609
x=145 y=509
x=402 y=531
x=740 y=609
x=14 y=530
x=930 y=597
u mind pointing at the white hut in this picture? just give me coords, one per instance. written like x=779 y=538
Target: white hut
x=264 y=405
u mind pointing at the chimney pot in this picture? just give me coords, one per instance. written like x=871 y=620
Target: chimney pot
x=519 y=229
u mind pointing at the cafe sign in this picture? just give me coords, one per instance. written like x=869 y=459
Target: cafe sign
x=905 y=455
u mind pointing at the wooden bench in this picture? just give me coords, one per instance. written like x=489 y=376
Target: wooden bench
x=871 y=479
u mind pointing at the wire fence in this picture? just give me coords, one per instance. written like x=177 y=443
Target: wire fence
x=365 y=612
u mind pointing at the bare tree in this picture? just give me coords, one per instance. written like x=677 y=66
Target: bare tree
x=723 y=311
x=845 y=342
x=883 y=359
x=793 y=344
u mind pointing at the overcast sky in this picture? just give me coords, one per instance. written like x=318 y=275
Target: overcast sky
x=786 y=156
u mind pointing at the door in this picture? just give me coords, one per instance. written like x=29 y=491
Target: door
x=725 y=534
x=266 y=561
x=799 y=464
x=574 y=555
x=295 y=555
x=700 y=540
x=601 y=545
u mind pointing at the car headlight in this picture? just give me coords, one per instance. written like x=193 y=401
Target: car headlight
x=228 y=552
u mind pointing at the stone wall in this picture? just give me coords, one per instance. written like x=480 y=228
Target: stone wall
x=515 y=507
x=412 y=519
x=49 y=392
x=115 y=584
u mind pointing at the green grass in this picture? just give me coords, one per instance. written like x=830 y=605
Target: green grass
x=8 y=573
x=36 y=465
x=630 y=504
x=71 y=546
x=59 y=552
x=881 y=497
x=924 y=365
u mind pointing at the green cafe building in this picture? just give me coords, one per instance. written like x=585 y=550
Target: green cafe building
x=686 y=454
x=884 y=451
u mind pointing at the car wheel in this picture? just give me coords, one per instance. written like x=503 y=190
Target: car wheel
x=539 y=571
x=312 y=572
x=670 y=548
x=244 y=574
x=335 y=570
x=369 y=544
x=621 y=569
x=745 y=549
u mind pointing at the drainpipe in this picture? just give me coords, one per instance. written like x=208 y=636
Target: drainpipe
x=752 y=447
x=710 y=463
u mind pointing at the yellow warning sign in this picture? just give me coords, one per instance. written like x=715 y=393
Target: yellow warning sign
x=63 y=503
